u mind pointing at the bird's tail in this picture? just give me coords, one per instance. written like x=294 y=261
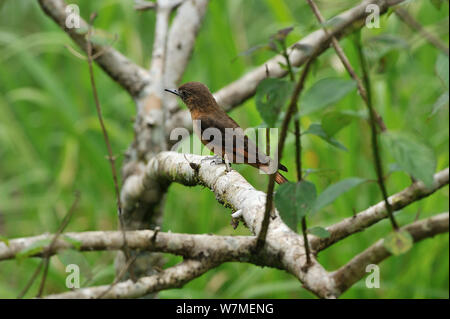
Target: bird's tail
x=280 y=179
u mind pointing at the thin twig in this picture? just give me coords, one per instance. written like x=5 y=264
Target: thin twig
x=298 y=153
x=31 y=281
x=365 y=93
x=375 y=143
x=48 y=252
x=341 y=54
x=415 y=25
x=111 y=157
x=291 y=109
x=119 y=276
x=61 y=228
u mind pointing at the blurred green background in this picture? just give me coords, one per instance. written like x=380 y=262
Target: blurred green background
x=51 y=143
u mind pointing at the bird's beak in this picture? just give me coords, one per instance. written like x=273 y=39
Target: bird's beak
x=173 y=91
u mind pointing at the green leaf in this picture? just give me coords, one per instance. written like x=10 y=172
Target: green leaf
x=332 y=192
x=316 y=129
x=440 y=103
x=282 y=34
x=271 y=96
x=411 y=155
x=75 y=242
x=437 y=4
x=33 y=249
x=442 y=68
x=381 y=45
x=294 y=201
x=325 y=92
x=319 y=232
x=4 y=240
x=398 y=242
x=335 y=121
x=256 y=48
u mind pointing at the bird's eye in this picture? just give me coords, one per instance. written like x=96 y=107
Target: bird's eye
x=183 y=94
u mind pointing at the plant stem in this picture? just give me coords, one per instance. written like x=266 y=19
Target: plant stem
x=373 y=126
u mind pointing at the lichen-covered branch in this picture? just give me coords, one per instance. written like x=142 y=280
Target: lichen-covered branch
x=378 y=212
x=355 y=269
x=186 y=245
x=234 y=191
x=130 y=76
x=173 y=277
x=180 y=43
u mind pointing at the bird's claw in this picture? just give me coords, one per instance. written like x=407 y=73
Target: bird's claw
x=217 y=160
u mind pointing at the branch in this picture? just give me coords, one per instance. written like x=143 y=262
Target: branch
x=374 y=214
x=130 y=76
x=181 y=39
x=292 y=109
x=363 y=92
x=282 y=244
x=415 y=25
x=186 y=245
x=243 y=88
x=355 y=269
x=173 y=277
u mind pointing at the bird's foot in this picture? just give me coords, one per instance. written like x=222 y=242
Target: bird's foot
x=235 y=217
x=217 y=160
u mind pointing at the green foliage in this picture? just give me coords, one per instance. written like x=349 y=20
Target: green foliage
x=316 y=129
x=319 y=232
x=442 y=68
x=74 y=242
x=332 y=192
x=333 y=122
x=35 y=248
x=411 y=155
x=51 y=144
x=398 y=242
x=440 y=103
x=271 y=96
x=5 y=240
x=324 y=93
x=294 y=201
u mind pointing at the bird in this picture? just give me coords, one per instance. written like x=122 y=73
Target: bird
x=209 y=118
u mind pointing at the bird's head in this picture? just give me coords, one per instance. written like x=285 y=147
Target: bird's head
x=195 y=95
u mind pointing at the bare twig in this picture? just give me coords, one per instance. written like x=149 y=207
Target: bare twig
x=289 y=113
x=375 y=143
x=415 y=25
x=48 y=251
x=111 y=157
x=341 y=54
x=119 y=276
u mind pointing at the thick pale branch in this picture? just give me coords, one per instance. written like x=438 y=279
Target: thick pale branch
x=186 y=245
x=374 y=214
x=354 y=270
x=130 y=76
x=173 y=277
x=282 y=244
x=181 y=40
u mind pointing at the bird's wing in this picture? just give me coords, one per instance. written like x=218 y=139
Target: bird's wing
x=224 y=136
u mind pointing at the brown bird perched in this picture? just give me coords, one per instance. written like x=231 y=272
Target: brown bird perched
x=220 y=133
